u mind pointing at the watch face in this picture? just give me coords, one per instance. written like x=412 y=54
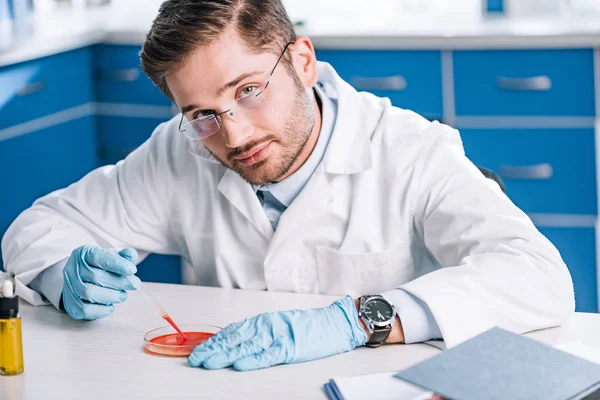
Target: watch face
x=378 y=310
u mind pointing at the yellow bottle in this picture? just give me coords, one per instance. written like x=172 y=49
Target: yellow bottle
x=11 y=345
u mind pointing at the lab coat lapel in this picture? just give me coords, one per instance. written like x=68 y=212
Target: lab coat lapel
x=241 y=195
x=348 y=152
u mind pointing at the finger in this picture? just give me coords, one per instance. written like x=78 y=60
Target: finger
x=272 y=356
x=129 y=253
x=100 y=258
x=99 y=295
x=206 y=350
x=223 y=333
x=78 y=309
x=92 y=292
x=91 y=311
x=226 y=359
x=107 y=279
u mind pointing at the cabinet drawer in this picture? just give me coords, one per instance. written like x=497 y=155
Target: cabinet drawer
x=119 y=77
x=524 y=82
x=38 y=163
x=545 y=170
x=411 y=79
x=577 y=246
x=44 y=86
x=119 y=136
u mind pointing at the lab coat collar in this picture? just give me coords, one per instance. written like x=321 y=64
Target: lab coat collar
x=349 y=150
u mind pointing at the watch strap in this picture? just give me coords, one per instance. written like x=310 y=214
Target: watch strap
x=379 y=336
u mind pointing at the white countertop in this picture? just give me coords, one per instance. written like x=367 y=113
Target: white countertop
x=67 y=359
x=127 y=22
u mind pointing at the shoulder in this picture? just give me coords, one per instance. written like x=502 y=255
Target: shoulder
x=409 y=137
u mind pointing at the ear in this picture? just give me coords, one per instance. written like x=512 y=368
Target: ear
x=305 y=60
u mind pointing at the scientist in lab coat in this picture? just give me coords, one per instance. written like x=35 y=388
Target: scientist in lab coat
x=279 y=175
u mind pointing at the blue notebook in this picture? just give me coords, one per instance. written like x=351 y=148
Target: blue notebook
x=500 y=365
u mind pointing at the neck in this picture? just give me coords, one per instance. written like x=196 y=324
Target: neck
x=312 y=140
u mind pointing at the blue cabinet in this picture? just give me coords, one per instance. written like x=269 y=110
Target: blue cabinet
x=577 y=246
x=120 y=79
x=35 y=164
x=160 y=268
x=411 y=79
x=118 y=136
x=44 y=86
x=545 y=170
x=524 y=82
x=550 y=173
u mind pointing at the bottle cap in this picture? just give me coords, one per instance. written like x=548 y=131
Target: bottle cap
x=9 y=303
x=7 y=289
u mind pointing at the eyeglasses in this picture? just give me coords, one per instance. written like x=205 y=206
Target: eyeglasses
x=209 y=124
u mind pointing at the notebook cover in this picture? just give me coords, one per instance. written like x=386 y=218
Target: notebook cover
x=500 y=365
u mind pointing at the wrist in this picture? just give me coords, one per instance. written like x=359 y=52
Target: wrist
x=395 y=336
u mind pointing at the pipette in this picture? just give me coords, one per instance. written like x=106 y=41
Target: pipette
x=160 y=309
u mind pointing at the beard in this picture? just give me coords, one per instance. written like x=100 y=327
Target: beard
x=294 y=135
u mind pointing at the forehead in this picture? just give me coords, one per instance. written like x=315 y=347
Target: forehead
x=209 y=67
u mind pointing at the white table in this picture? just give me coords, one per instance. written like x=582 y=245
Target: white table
x=67 y=359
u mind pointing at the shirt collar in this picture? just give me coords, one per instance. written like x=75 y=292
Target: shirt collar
x=289 y=188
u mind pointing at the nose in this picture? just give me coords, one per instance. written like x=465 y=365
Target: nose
x=235 y=131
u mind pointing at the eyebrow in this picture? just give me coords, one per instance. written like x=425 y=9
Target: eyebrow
x=223 y=88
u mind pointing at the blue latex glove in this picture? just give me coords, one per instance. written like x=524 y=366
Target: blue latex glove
x=283 y=338
x=95 y=279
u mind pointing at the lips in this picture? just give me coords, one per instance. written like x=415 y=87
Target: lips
x=254 y=155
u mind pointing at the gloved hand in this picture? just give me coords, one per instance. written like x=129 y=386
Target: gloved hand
x=283 y=338
x=95 y=279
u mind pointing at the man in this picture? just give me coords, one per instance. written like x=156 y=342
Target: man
x=280 y=176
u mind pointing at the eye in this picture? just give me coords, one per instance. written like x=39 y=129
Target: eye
x=203 y=113
x=247 y=91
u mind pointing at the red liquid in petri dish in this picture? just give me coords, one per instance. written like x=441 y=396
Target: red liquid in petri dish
x=173 y=344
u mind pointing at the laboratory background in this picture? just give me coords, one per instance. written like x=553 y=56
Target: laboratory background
x=520 y=79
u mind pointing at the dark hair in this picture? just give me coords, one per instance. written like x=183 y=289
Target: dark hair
x=184 y=25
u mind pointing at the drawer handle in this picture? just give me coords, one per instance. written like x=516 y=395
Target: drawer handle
x=542 y=171
x=122 y=75
x=32 y=88
x=397 y=83
x=536 y=83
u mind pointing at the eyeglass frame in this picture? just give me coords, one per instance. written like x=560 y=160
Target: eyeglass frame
x=218 y=115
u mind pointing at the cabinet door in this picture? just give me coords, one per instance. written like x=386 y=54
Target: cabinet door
x=545 y=170
x=120 y=79
x=44 y=86
x=578 y=249
x=119 y=136
x=35 y=164
x=524 y=82
x=410 y=79
x=160 y=268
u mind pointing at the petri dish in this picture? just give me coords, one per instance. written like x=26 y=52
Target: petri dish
x=165 y=341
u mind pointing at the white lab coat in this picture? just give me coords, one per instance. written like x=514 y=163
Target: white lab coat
x=394 y=203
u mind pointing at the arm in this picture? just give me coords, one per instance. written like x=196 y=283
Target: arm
x=415 y=322
x=499 y=270
x=112 y=207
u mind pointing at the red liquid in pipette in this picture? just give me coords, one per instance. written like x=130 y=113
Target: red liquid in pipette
x=172 y=323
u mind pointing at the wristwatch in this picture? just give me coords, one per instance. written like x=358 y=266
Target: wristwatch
x=379 y=315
